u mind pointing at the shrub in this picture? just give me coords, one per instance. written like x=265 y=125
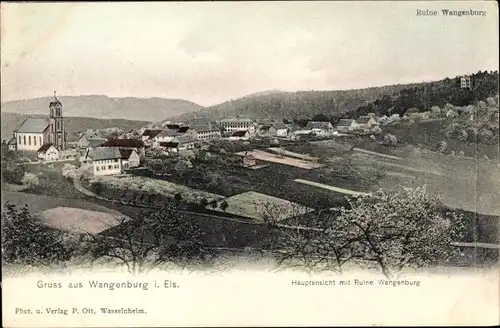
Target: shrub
x=69 y=171
x=30 y=180
x=463 y=135
x=390 y=140
x=224 y=205
x=442 y=146
x=461 y=153
x=376 y=130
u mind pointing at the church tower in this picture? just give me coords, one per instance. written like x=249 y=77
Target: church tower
x=57 y=133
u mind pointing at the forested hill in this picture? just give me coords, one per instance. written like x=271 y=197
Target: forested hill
x=352 y=103
x=301 y=104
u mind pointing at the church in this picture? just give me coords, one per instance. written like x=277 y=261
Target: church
x=37 y=132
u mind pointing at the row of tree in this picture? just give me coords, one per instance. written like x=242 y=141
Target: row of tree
x=388 y=231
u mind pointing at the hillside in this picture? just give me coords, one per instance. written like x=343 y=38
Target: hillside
x=150 y=109
x=353 y=103
x=294 y=105
x=10 y=121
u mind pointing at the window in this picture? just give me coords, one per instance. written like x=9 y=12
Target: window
x=115 y=160
x=29 y=140
x=97 y=168
x=19 y=137
x=24 y=139
x=40 y=139
x=110 y=167
x=116 y=166
x=103 y=167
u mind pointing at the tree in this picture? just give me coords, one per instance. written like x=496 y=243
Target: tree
x=388 y=231
x=204 y=202
x=177 y=198
x=224 y=205
x=30 y=180
x=26 y=240
x=155 y=239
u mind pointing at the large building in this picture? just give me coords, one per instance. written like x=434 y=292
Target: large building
x=35 y=132
x=237 y=124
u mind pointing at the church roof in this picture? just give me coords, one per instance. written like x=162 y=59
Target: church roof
x=33 y=125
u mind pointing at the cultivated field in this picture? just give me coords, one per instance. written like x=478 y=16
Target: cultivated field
x=259 y=206
x=149 y=185
x=305 y=157
x=268 y=157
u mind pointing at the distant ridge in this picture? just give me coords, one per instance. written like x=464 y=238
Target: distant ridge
x=100 y=106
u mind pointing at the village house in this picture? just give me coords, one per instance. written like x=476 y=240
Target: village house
x=88 y=139
x=281 y=129
x=346 y=125
x=166 y=136
x=12 y=144
x=249 y=160
x=179 y=144
x=48 y=152
x=149 y=134
x=366 y=122
x=135 y=144
x=105 y=160
x=206 y=131
x=237 y=124
x=267 y=130
x=240 y=135
x=129 y=158
x=320 y=128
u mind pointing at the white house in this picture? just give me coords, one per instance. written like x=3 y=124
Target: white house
x=320 y=128
x=130 y=158
x=166 y=135
x=366 y=122
x=105 y=160
x=48 y=152
x=240 y=135
x=346 y=125
x=281 y=130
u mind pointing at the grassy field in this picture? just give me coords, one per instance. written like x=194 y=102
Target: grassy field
x=258 y=206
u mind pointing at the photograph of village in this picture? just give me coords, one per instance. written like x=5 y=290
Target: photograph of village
x=395 y=169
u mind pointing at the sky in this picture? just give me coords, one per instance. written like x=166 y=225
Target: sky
x=210 y=52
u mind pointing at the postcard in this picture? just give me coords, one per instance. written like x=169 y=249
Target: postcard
x=182 y=164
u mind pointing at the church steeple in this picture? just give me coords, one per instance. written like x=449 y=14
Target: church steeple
x=57 y=130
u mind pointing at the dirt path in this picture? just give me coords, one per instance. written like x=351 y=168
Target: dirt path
x=332 y=188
